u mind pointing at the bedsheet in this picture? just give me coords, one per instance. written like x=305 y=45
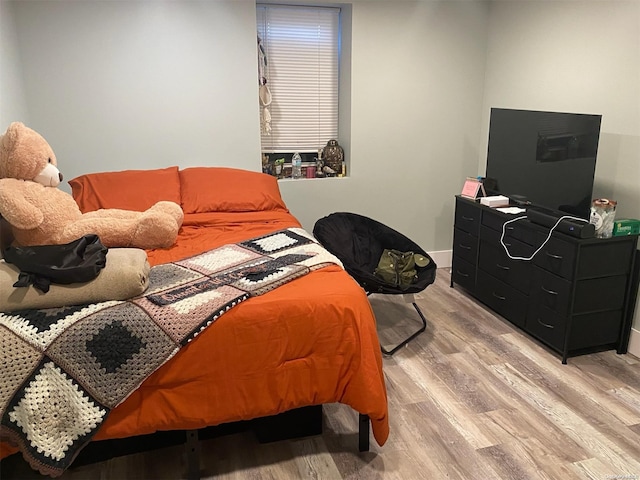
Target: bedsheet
x=308 y=342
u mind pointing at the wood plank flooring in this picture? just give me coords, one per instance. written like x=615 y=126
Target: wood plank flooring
x=470 y=398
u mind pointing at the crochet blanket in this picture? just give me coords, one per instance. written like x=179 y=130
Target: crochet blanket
x=62 y=370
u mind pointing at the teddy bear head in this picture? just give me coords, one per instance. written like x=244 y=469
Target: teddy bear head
x=26 y=155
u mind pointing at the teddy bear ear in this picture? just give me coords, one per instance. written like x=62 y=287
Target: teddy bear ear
x=9 y=138
x=24 y=153
x=8 y=141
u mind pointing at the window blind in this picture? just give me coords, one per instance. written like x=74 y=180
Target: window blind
x=302 y=52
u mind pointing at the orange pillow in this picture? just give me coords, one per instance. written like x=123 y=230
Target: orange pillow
x=129 y=189
x=220 y=189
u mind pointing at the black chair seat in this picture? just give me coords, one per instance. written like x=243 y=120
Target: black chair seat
x=358 y=242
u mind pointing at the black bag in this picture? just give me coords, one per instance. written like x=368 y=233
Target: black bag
x=397 y=268
x=75 y=262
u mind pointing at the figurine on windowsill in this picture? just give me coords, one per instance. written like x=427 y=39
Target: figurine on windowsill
x=267 y=167
x=319 y=164
x=278 y=166
x=333 y=155
x=328 y=171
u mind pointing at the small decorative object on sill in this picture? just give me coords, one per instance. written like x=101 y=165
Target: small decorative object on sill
x=333 y=156
x=319 y=164
x=266 y=166
x=328 y=171
x=311 y=171
x=296 y=166
x=278 y=167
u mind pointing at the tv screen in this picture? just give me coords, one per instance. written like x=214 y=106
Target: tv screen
x=546 y=158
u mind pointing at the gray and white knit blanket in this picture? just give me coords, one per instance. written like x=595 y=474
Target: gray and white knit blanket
x=62 y=370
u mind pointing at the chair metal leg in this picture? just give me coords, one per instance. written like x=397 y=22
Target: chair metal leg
x=411 y=337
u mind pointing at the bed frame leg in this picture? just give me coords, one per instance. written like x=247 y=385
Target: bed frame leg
x=193 y=455
x=363 y=433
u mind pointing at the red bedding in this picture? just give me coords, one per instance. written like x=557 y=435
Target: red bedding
x=308 y=342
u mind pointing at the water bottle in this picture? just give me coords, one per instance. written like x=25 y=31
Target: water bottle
x=296 y=166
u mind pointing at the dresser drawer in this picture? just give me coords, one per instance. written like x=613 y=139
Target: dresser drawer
x=558 y=257
x=597 y=294
x=465 y=245
x=516 y=247
x=546 y=325
x=505 y=300
x=467 y=216
x=463 y=273
x=550 y=291
x=520 y=230
x=495 y=262
x=493 y=220
x=595 y=329
x=586 y=331
x=601 y=259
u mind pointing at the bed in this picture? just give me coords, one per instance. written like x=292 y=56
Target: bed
x=310 y=341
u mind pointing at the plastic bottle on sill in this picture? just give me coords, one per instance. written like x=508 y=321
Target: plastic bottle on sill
x=296 y=166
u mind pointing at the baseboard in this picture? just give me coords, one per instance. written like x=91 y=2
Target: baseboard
x=634 y=343
x=442 y=258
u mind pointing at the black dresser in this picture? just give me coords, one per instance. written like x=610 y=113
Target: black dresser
x=576 y=295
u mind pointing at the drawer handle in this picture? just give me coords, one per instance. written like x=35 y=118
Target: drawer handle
x=499 y=297
x=509 y=228
x=466 y=247
x=550 y=292
x=545 y=324
x=468 y=219
x=462 y=274
x=557 y=257
x=507 y=244
x=502 y=267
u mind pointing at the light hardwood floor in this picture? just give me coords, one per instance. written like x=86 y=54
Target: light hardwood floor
x=470 y=398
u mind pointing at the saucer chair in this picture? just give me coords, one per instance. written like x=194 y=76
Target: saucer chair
x=359 y=241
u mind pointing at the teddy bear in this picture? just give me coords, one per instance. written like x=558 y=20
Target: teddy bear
x=39 y=213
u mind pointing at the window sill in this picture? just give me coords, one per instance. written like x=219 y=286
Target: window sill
x=289 y=179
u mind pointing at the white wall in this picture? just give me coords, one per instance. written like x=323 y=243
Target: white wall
x=13 y=105
x=416 y=90
x=116 y=85
x=574 y=56
x=144 y=84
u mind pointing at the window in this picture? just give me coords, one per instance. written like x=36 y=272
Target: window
x=301 y=48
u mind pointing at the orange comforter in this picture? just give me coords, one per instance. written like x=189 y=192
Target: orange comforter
x=308 y=342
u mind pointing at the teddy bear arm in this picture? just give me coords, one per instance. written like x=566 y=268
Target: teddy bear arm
x=17 y=210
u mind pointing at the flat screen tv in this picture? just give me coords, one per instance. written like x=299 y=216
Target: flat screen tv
x=545 y=158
